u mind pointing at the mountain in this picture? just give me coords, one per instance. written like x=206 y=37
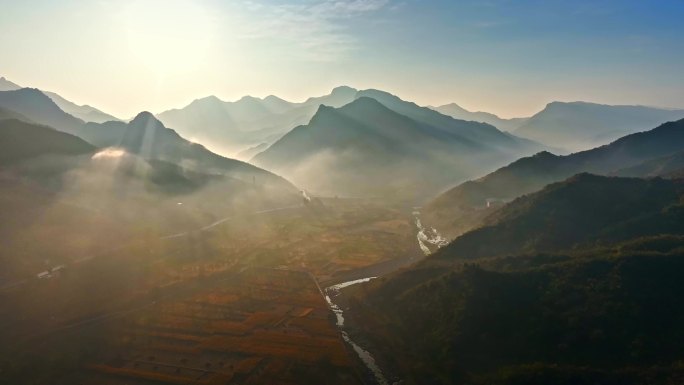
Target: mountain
x=35 y=105
x=149 y=138
x=20 y=140
x=144 y=135
x=368 y=147
x=477 y=133
x=84 y=112
x=338 y=97
x=6 y=113
x=584 y=209
x=251 y=152
x=464 y=206
x=664 y=167
x=578 y=125
x=230 y=127
x=458 y=112
x=63 y=199
x=575 y=284
x=6 y=85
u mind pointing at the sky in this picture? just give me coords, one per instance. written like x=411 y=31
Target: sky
x=509 y=57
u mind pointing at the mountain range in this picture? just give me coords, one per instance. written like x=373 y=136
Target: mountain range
x=149 y=138
x=84 y=112
x=458 y=112
x=575 y=284
x=579 y=126
x=230 y=127
x=462 y=207
x=379 y=144
x=554 y=275
x=144 y=136
x=20 y=140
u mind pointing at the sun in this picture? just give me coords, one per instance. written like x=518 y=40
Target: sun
x=169 y=37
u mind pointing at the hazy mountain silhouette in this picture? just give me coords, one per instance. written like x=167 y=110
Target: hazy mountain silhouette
x=6 y=113
x=229 y=127
x=149 y=138
x=666 y=166
x=144 y=135
x=458 y=112
x=338 y=97
x=463 y=206
x=85 y=112
x=249 y=153
x=6 y=85
x=35 y=105
x=366 y=147
x=20 y=140
x=479 y=134
x=579 y=125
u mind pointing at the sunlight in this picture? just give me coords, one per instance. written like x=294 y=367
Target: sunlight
x=169 y=37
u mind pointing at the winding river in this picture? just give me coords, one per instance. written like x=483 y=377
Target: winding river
x=429 y=240
x=331 y=293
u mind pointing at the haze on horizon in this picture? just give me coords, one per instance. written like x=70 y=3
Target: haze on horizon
x=133 y=55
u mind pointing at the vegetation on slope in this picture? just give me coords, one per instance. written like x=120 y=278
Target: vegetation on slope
x=579 y=283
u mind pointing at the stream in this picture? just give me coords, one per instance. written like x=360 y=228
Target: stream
x=331 y=293
x=429 y=240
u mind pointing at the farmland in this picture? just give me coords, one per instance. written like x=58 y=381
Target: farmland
x=260 y=326
x=235 y=304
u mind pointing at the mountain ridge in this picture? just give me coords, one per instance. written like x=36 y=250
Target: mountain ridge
x=384 y=145
x=467 y=201
x=582 y=125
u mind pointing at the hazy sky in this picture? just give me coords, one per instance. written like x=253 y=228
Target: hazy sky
x=509 y=57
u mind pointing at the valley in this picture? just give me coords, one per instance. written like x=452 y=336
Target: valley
x=341 y=192
x=231 y=263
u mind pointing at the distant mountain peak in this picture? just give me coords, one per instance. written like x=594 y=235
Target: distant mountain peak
x=345 y=89
x=364 y=102
x=274 y=98
x=248 y=98
x=145 y=117
x=580 y=125
x=6 y=85
x=213 y=99
x=31 y=91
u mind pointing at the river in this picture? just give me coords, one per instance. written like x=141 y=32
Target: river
x=429 y=240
